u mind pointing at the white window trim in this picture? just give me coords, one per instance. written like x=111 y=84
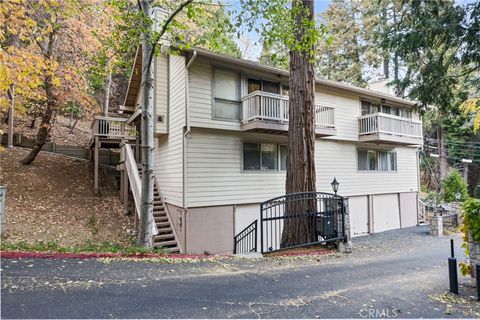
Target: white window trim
x=378 y=161
x=278 y=170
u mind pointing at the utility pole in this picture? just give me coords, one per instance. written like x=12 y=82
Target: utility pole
x=466 y=162
x=144 y=235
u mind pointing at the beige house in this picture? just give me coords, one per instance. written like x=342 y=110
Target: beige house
x=220 y=148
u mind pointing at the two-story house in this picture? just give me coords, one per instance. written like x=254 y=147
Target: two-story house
x=220 y=147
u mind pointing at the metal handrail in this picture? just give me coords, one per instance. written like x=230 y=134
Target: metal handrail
x=249 y=243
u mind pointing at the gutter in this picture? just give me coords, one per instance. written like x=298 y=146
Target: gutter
x=187 y=122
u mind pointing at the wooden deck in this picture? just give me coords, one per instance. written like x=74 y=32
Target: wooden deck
x=108 y=133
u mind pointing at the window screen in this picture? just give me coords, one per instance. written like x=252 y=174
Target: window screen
x=227 y=95
x=227 y=85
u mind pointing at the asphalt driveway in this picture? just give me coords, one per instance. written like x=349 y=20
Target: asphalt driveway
x=393 y=274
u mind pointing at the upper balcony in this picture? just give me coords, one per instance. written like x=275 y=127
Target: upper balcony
x=386 y=128
x=111 y=129
x=268 y=112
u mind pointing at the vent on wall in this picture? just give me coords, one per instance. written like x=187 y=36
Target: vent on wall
x=160 y=119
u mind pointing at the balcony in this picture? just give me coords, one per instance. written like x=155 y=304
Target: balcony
x=268 y=112
x=112 y=129
x=386 y=128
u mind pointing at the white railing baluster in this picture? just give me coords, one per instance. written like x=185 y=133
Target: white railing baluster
x=389 y=124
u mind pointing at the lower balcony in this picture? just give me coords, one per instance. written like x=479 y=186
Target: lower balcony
x=268 y=113
x=386 y=128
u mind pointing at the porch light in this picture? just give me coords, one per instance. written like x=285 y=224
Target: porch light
x=335 y=185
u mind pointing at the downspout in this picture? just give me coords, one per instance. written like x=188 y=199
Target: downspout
x=187 y=132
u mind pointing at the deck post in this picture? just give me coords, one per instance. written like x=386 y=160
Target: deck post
x=96 y=164
x=125 y=193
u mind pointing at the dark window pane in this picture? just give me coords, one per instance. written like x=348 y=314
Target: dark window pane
x=365 y=108
x=362 y=160
x=283 y=157
x=253 y=85
x=270 y=87
x=393 y=161
x=372 y=160
x=251 y=156
x=269 y=156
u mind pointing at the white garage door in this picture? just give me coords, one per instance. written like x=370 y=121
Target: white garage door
x=358 y=215
x=385 y=212
x=408 y=204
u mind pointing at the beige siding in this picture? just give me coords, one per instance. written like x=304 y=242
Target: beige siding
x=161 y=93
x=214 y=170
x=347 y=111
x=169 y=151
x=200 y=111
x=215 y=177
x=339 y=159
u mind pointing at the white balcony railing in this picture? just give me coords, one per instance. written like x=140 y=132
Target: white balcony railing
x=260 y=105
x=112 y=128
x=381 y=123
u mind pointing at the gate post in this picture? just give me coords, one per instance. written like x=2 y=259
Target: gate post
x=345 y=246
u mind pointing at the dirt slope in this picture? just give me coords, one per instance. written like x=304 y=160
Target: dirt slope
x=52 y=200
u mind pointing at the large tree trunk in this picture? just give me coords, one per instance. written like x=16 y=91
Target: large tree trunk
x=45 y=125
x=301 y=136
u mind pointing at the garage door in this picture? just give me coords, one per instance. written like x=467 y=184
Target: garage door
x=358 y=215
x=385 y=212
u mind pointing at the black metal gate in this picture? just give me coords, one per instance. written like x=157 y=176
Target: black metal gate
x=320 y=215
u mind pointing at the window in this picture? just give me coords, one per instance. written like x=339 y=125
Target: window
x=369 y=108
x=264 y=156
x=263 y=85
x=373 y=160
x=283 y=157
x=226 y=95
x=254 y=85
x=285 y=90
x=405 y=113
x=270 y=87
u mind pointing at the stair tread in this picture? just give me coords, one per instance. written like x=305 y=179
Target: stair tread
x=166 y=243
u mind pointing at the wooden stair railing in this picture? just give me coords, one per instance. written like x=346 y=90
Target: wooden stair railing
x=135 y=182
x=166 y=237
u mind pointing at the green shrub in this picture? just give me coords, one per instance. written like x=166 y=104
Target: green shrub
x=452 y=184
x=476 y=191
x=471 y=218
x=470 y=226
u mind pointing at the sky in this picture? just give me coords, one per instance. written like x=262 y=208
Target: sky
x=249 y=42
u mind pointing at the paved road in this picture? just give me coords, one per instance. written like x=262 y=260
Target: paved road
x=393 y=274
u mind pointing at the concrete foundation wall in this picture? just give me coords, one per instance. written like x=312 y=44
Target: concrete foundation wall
x=178 y=222
x=210 y=229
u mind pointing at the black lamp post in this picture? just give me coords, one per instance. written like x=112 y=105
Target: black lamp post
x=335 y=185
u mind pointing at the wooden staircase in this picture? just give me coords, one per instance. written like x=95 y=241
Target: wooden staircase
x=165 y=238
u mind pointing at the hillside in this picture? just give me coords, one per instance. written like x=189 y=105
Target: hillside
x=60 y=133
x=52 y=200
